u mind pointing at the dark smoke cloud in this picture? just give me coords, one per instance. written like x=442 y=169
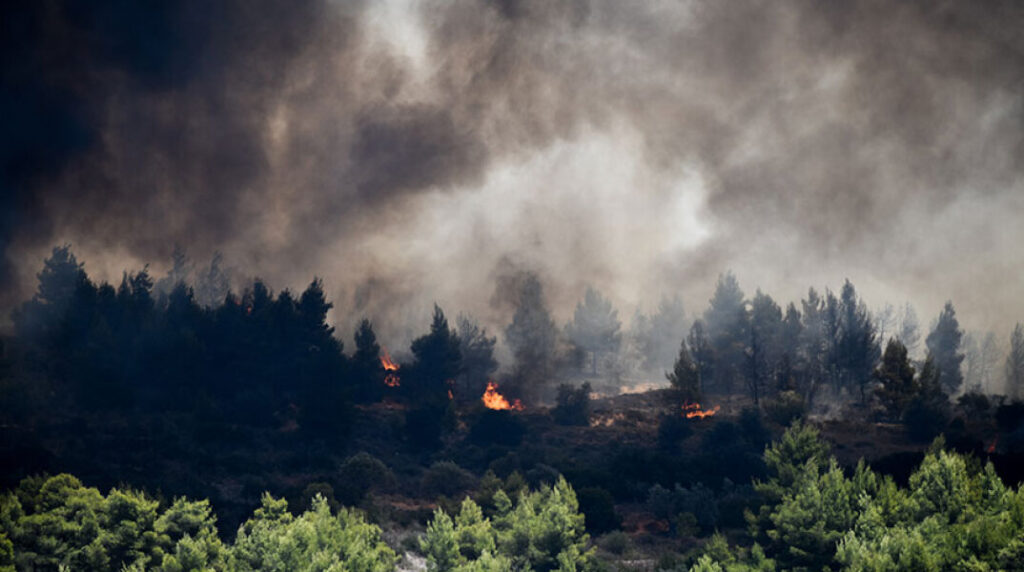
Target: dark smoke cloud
x=413 y=152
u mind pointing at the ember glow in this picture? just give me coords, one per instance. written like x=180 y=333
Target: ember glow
x=693 y=410
x=494 y=400
x=391 y=379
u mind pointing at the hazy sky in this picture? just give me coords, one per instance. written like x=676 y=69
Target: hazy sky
x=411 y=152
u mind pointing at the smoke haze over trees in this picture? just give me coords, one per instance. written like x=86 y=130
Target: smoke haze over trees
x=409 y=152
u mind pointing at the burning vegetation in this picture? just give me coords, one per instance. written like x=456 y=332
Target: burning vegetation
x=391 y=368
x=694 y=411
x=494 y=400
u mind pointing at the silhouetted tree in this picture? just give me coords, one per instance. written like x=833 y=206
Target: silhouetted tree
x=791 y=363
x=531 y=336
x=895 y=374
x=478 y=363
x=438 y=361
x=367 y=371
x=658 y=334
x=181 y=269
x=944 y=345
x=765 y=344
x=857 y=348
x=595 y=327
x=685 y=377
x=703 y=354
x=908 y=329
x=727 y=324
x=814 y=345
x=884 y=319
x=927 y=414
x=212 y=284
x=58 y=280
x=1015 y=363
x=981 y=355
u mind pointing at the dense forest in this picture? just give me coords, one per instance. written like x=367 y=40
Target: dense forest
x=791 y=437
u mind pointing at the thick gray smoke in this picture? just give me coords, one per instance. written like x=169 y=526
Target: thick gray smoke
x=411 y=152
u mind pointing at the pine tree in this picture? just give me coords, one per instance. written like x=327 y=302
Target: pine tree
x=685 y=377
x=478 y=363
x=703 y=354
x=857 y=346
x=727 y=323
x=896 y=376
x=765 y=346
x=367 y=371
x=1015 y=363
x=438 y=361
x=531 y=336
x=944 y=345
x=595 y=327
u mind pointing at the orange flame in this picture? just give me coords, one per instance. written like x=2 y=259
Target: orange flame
x=693 y=410
x=992 y=447
x=391 y=379
x=494 y=400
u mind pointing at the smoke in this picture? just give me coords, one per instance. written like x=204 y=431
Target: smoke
x=413 y=152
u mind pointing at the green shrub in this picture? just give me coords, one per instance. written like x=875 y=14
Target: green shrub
x=361 y=474
x=572 y=405
x=616 y=542
x=599 y=507
x=785 y=408
x=542 y=531
x=447 y=479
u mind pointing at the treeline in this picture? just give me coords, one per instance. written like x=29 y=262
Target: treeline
x=270 y=360
x=255 y=358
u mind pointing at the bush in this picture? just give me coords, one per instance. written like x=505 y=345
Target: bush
x=447 y=479
x=698 y=501
x=1010 y=416
x=673 y=430
x=751 y=423
x=498 y=428
x=597 y=506
x=312 y=491
x=573 y=405
x=617 y=542
x=974 y=404
x=361 y=474
x=785 y=408
x=926 y=417
x=424 y=426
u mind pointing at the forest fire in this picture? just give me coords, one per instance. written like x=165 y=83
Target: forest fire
x=391 y=379
x=494 y=400
x=693 y=410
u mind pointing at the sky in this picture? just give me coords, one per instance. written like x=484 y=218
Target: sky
x=417 y=152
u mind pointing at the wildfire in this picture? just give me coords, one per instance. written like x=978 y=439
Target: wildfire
x=992 y=447
x=494 y=400
x=692 y=410
x=391 y=379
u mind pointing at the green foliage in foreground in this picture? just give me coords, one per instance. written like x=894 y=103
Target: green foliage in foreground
x=955 y=515
x=544 y=531
x=57 y=523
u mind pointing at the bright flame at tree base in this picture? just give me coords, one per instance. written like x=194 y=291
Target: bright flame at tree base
x=391 y=379
x=494 y=400
x=693 y=410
